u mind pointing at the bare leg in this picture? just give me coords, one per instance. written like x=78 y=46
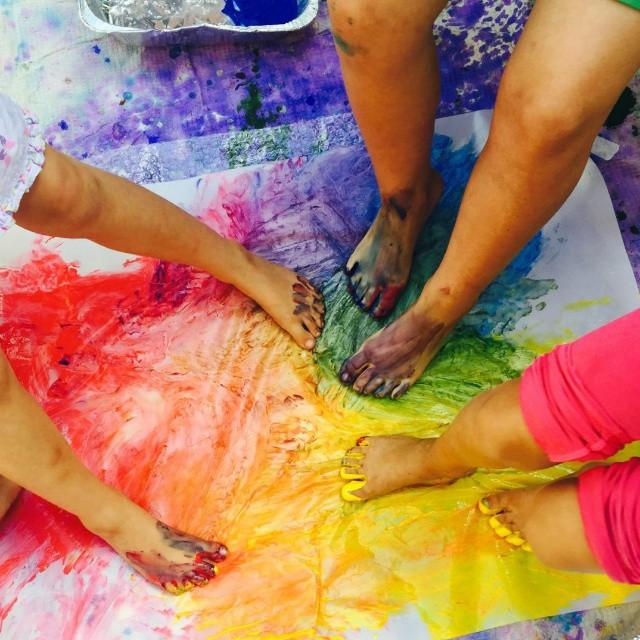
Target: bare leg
x=555 y=95
x=489 y=432
x=35 y=456
x=390 y=69
x=73 y=200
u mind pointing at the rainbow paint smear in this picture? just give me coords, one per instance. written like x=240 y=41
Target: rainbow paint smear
x=187 y=397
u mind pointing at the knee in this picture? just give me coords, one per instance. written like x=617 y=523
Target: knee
x=361 y=29
x=541 y=123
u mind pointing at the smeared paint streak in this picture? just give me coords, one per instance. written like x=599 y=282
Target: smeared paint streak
x=585 y=304
x=344 y=46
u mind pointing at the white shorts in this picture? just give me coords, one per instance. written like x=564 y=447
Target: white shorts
x=21 y=157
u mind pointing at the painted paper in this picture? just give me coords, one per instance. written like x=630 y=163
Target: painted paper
x=182 y=393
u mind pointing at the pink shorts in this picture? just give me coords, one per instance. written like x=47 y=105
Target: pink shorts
x=582 y=402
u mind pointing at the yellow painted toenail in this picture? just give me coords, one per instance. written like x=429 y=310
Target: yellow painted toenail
x=499 y=528
x=515 y=539
x=486 y=509
x=346 y=493
x=363 y=442
x=527 y=547
x=347 y=475
x=355 y=455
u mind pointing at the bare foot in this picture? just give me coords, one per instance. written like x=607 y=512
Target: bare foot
x=549 y=519
x=391 y=360
x=9 y=491
x=378 y=269
x=175 y=561
x=383 y=464
x=291 y=300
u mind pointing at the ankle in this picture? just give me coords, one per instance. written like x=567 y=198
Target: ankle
x=439 y=467
x=110 y=518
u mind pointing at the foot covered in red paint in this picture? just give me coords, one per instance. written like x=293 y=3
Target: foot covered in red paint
x=175 y=561
x=291 y=300
x=378 y=269
x=391 y=360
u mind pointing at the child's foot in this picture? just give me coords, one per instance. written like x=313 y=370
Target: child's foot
x=379 y=267
x=380 y=465
x=9 y=491
x=291 y=300
x=166 y=557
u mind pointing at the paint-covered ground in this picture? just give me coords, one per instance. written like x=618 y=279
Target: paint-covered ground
x=177 y=112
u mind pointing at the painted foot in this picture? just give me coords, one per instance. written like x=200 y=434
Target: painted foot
x=378 y=269
x=291 y=300
x=9 y=491
x=390 y=361
x=546 y=520
x=380 y=465
x=175 y=561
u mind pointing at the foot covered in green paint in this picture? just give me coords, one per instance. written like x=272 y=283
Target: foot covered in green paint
x=291 y=300
x=380 y=465
x=378 y=269
x=175 y=561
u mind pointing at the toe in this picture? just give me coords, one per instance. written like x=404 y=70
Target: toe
x=311 y=325
x=373 y=385
x=401 y=389
x=216 y=553
x=171 y=587
x=370 y=298
x=360 y=293
x=385 y=389
x=386 y=302
x=352 y=367
x=363 y=379
x=302 y=336
x=352 y=266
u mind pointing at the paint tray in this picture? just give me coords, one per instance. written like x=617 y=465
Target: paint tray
x=97 y=16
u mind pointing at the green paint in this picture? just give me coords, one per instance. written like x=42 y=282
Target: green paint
x=585 y=304
x=251 y=105
x=476 y=356
x=254 y=147
x=467 y=365
x=344 y=46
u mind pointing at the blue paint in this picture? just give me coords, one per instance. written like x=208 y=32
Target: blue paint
x=96 y=49
x=248 y=13
x=63 y=125
x=127 y=95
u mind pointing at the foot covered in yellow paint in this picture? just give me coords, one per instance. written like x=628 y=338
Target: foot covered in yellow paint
x=380 y=465
x=503 y=520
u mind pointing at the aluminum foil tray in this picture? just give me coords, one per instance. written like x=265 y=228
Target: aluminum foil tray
x=153 y=32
